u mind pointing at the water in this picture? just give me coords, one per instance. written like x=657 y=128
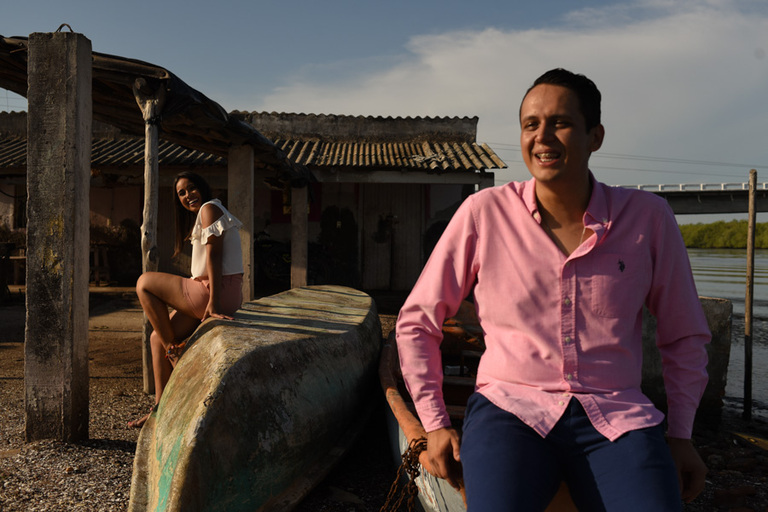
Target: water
x=722 y=273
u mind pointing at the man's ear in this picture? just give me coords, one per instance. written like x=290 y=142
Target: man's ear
x=598 y=134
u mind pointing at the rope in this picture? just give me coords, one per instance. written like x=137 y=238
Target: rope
x=410 y=466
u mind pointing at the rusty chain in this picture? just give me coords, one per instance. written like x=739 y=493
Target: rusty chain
x=409 y=466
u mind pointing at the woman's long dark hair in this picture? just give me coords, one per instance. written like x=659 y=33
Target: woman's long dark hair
x=184 y=218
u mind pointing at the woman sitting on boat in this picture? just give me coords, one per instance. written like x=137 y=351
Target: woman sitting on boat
x=215 y=288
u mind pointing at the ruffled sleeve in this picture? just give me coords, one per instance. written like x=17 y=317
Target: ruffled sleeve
x=223 y=223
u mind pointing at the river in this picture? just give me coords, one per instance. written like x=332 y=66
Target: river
x=722 y=273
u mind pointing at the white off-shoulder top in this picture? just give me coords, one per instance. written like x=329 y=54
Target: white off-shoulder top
x=228 y=227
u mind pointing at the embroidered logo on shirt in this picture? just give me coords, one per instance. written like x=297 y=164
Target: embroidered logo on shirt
x=621 y=266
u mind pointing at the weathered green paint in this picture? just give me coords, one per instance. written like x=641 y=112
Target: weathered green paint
x=166 y=475
x=259 y=407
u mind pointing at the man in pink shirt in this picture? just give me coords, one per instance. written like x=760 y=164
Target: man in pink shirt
x=560 y=268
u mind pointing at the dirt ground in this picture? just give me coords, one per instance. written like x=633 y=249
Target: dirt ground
x=738 y=478
x=30 y=475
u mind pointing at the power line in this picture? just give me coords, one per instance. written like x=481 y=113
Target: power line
x=602 y=154
x=660 y=171
x=728 y=173
x=663 y=171
x=676 y=160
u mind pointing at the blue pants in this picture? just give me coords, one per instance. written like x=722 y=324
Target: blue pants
x=508 y=466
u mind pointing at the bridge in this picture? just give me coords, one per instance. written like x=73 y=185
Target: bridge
x=692 y=198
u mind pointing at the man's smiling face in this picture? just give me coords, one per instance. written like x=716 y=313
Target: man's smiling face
x=553 y=137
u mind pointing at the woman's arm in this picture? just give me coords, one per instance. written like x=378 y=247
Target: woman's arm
x=214 y=257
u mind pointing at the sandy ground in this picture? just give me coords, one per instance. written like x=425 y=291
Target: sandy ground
x=95 y=475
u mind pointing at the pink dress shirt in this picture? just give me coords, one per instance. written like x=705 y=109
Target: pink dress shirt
x=558 y=327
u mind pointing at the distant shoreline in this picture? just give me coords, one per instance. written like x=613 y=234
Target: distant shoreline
x=723 y=235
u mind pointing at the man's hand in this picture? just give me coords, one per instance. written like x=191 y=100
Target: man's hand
x=691 y=470
x=443 y=455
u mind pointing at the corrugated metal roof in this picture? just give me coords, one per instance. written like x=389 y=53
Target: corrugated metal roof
x=13 y=152
x=421 y=156
x=123 y=152
x=335 y=127
x=130 y=152
x=433 y=145
x=187 y=116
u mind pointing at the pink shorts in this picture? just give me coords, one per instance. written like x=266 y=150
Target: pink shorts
x=197 y=291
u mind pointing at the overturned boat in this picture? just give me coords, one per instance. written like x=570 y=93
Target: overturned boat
x=261 y=407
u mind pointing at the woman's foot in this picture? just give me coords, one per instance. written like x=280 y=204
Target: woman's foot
x=141 y=421
x=174 y=352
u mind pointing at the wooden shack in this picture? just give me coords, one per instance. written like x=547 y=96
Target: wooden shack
x=384 y=189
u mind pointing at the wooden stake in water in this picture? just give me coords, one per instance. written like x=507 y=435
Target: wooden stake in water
x=748 y=298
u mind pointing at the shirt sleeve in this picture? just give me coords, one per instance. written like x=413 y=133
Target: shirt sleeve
x=682 y=330
x=445 y=281
x=219 y=226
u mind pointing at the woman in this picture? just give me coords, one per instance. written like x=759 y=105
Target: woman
x=215 y=288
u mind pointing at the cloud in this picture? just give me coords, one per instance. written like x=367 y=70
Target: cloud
x=680 y=80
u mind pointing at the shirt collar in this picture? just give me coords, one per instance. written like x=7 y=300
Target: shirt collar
x=596 y=216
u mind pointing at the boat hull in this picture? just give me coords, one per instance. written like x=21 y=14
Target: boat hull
x=435 y=494
x=260 y=408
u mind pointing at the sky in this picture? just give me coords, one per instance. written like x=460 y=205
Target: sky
x=684 y=82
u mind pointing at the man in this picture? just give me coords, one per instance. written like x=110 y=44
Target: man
x=560 y=268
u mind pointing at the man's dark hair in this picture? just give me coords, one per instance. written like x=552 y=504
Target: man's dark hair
x=584 y=88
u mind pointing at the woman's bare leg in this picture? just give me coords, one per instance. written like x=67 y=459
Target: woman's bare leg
x=183 y=326
x=157 y=291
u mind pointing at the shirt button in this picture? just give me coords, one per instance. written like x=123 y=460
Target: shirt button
x=561 y=402
x=567 y=339
x=568 y=376
x=567 y=301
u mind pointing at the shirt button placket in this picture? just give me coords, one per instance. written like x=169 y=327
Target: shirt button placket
x=570 y=357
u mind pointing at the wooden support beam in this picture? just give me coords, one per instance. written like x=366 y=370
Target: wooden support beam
x=299 y=236
x=151 y=104
x=58 y=164
x=240 y=186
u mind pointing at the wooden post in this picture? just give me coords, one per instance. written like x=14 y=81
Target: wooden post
x=151 y=104
x=299 y=236
x=747 y=414
x=58 y=182
x=240 y=186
